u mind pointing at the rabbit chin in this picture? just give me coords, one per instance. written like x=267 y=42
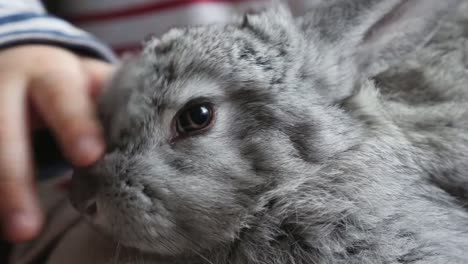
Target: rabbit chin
x=149 y=232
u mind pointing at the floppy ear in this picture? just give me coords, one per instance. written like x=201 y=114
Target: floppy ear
x=378 y=33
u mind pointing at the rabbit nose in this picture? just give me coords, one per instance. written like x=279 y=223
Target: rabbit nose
x=84 y=187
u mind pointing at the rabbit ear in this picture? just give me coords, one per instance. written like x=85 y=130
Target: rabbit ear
x=380 y=32
x=274 y=25
x=407 y=27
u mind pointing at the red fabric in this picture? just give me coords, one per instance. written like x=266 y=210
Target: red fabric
x=142 y=9
x=126 y=49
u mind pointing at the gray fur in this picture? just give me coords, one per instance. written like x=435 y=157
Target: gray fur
x=312 y=158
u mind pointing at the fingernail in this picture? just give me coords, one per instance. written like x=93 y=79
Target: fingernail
x=89 y=149
x=21 y=225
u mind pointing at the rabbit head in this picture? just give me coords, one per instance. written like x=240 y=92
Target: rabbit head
x=208 y=119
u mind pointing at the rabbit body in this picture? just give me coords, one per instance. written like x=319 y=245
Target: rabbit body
x=323 y=148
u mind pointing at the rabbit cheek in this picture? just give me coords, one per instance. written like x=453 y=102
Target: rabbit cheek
x=137 y=222
x=145 y=203
x=128 y=203
x=134 y=219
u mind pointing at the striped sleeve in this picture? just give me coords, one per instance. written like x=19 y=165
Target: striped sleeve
x=26 y=21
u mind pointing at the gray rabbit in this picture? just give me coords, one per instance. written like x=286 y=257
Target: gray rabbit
x=328 y=138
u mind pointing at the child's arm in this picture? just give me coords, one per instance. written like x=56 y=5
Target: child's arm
x=42 y=80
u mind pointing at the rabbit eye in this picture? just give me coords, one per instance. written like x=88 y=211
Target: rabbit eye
x=195 y=118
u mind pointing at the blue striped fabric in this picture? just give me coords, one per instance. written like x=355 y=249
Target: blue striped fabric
x=20 y=17
x=25 y=16
x=51 y=33
x=18 y=27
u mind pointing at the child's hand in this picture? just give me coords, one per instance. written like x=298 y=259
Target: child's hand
x=43 y=83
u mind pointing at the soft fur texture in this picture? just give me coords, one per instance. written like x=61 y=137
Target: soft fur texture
x=326 y=148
